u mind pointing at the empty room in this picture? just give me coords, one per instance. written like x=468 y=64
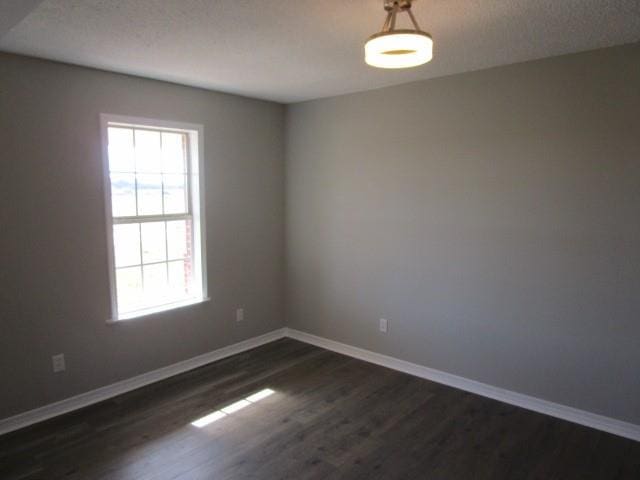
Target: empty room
x=320 y=239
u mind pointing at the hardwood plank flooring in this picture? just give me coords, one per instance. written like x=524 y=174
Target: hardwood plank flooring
x=330 y=416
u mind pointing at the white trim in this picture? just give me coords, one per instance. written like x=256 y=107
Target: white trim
x=197 y=192
x=106 y=181
x=196 y=211
x=130 y=121
x=103 y=393
x=588 y=419
x=141 y=314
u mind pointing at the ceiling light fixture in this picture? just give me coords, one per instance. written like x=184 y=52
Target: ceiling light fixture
x=401 y=48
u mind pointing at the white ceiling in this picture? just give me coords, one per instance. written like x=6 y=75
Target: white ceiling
x=293 y=50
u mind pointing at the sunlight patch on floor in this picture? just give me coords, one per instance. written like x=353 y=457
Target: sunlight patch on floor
x=234 y=407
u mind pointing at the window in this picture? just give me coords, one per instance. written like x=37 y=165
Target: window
x=154 y=215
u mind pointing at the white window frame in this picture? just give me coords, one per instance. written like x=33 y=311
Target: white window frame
x=195 y=135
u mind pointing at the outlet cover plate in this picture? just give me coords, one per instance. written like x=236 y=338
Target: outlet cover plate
x=384 y=325
x=59 y=364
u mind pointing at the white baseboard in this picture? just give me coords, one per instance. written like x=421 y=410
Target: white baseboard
x=599 y=422
x=103 y=393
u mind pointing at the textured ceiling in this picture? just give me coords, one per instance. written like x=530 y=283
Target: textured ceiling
x=13 y=11
x=297 y=50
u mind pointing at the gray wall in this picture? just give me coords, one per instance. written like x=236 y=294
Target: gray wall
x=54 y=290
x=492 y=217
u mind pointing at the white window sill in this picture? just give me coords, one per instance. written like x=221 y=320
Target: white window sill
x=147 y=312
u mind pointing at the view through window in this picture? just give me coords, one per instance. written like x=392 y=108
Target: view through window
x=155 y=264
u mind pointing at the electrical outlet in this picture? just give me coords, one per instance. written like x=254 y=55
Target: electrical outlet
x=59 y=365
x=239 y=314
x=384 y=325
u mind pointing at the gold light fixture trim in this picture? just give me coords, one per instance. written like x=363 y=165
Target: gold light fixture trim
x=398 y=48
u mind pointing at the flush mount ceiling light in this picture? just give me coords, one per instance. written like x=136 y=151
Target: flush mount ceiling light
x=398 y=48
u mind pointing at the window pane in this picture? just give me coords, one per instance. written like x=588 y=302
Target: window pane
x=148 y=157
x=149 y=170
x=175 y=193
x=178 y=279
x=155 y=284
x=121 y=150
x=126 y=241
x=123 y=195
x=149 y=194
x=178 y=239
x=173 y=155
x=153 y=242
x=129 y=288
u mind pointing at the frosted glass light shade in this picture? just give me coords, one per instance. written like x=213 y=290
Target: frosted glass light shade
x=398 y=49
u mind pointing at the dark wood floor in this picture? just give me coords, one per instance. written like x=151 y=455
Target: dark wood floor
x=330 y=416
